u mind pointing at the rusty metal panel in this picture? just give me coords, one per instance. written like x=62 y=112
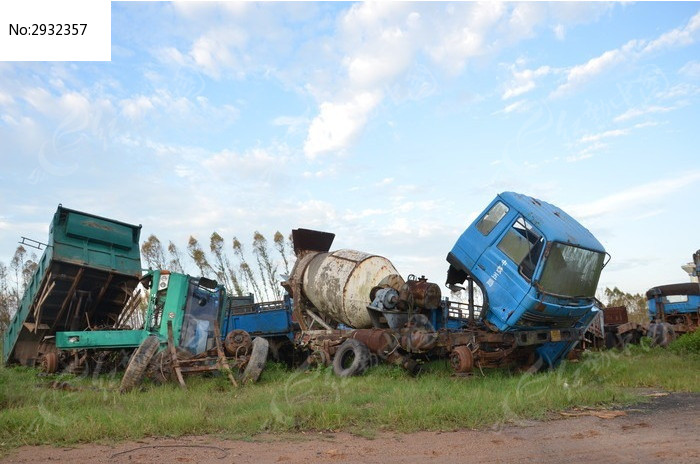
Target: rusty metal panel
x=615 y=315
x=311 y=240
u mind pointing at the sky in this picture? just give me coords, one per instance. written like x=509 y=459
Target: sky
x=391 y=124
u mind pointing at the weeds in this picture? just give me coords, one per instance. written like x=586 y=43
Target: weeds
x=386 y=398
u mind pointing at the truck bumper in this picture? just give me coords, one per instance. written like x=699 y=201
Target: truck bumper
x=538 y=337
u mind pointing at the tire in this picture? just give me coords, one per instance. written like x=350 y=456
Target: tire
x=139 y=363
x=256 y=363
x=352 y=358
x=160 y=368
x=49 y=362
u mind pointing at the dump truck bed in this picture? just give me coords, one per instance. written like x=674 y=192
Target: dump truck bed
x=89 y=269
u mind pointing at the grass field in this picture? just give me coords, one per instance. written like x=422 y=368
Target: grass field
x=386 y=398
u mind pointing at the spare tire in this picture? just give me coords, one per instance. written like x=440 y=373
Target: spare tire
x=352 y=358
x=256 y=363
x=139 y=362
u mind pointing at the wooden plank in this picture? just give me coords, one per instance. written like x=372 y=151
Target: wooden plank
x=68 y=297
x=35 y=303
x=223 y=362
x=173 y=356
x=100 y=295
x=129 y=309
x=39 y=306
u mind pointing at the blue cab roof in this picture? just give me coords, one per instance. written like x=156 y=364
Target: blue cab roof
x=553 y=222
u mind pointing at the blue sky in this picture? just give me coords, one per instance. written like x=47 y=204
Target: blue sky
x=391 y=124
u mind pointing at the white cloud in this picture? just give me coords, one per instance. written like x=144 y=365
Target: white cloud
x=679 y=91
x=588 y=152
x=338 y=123
x=583 y=73
x=135 y=108
x=6 y=99
x=604 y=135
x=252 y=161
x=524 y=81
x=634 y=49
x=580 y=157
x=690 y=69
x=294 y=124
x=559 y=31
x=642 y=111
x=384 y=182
x=353 y=63
x=681 y=36
x=641 y=194
x=518 y=106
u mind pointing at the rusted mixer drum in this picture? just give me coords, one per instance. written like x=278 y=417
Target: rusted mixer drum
x=338 y=284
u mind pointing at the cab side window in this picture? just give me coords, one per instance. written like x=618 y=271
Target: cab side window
x=493 y=217
x=523 y=245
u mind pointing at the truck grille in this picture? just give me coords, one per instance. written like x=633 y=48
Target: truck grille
x=533 y=319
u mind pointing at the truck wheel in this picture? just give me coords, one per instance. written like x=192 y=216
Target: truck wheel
x=49 y=362
x=352 y=358
x=238 y=343
x=257 y=360
x=160 y=369
x=139 y=362
x=462 y=360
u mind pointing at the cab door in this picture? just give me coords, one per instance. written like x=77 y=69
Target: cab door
x=509 y=264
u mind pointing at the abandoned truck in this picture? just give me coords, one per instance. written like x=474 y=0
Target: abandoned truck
x=80 y=306
x=674 y=309
x=87 y=273
x=534 y=266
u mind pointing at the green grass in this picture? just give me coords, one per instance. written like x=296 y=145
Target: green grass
x=386 y=398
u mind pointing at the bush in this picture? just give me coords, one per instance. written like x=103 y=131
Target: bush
x=688 y=343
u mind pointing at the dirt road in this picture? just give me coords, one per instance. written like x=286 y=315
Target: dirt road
x=665 y=430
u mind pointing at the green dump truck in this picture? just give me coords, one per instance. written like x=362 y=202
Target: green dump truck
x=88 y=272
x=83 y=310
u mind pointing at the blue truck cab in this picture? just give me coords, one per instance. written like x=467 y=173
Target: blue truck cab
x=536 y=266
x=674 y=303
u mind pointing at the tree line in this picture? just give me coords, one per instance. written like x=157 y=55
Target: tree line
x=241 y=272
x=14 y=279
x=230 y=266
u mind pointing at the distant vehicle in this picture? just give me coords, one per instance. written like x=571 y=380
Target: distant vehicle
x=674 y=309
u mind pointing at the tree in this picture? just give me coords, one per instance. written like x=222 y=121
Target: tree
x=246 y=272
x=175 y=263
x=282 y=249
x=223 y=270
x=152 y=251
x=268 y=270
x=17 y=265
x=636 y=304
x=28 y=269
x=6 y=303
x=199 y=257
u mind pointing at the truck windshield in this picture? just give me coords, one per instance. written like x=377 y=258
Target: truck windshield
x=201 y=311
x=571 y=271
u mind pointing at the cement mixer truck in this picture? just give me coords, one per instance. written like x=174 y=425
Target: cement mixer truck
x=529 y=271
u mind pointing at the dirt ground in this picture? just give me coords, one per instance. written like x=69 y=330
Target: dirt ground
x=665 y=430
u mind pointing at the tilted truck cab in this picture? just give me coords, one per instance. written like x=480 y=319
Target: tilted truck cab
x=536 y=266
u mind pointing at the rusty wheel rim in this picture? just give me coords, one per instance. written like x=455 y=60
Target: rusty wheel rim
x=49 y=363
x=462 y=360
